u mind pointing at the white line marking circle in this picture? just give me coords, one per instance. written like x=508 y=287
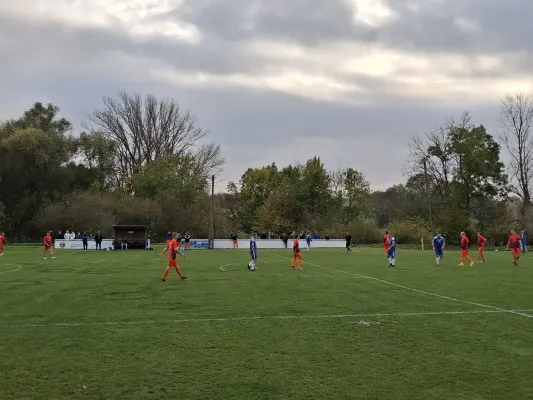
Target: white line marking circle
x=223 y=269
x=12 y=270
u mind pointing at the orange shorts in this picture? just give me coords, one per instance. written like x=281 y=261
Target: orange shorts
x=386 y=248
x=298 y=255
x=480 y=249
x=464 y=253
x=172 y=263
x=235 y=242
x=515 y=251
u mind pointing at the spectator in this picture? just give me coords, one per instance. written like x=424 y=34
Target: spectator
x=124 y=244
x=67 y=235
x=285 y=239
x=85 y=239
x=316 y=235
x=98 y=241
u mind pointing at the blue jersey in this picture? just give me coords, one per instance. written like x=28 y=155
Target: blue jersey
x=392 y=246
x=253 y=248
x=308 y=239
x=438 y=242
x=524 y=238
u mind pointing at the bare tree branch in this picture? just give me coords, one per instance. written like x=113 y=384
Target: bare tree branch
x=516 y=116
x=145 y=129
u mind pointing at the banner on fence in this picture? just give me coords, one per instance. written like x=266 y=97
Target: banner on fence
x=77 y=244
x=199 y=244
x=279 y=244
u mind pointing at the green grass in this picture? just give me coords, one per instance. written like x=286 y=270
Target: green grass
x=103 y=326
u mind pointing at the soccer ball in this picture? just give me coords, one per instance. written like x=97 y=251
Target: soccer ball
x=496 y=250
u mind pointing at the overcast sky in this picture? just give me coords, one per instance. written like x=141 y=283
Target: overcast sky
x=277 y=80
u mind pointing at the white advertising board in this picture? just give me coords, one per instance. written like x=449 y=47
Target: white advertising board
x=77 y=244
x=278 y=244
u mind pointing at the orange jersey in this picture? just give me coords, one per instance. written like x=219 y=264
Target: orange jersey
x=2 y=240
x=514 y=241
x=172 y=249
x=481 y=241
x=464 y=243
x=47 y=241
x=386 y=240
x=296 y=246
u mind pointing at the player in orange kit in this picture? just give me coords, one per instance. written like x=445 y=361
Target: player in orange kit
x=48 y=245
x=2 y=241
x=481 y=241
x=386 y=242
x=297 y=254
x=173 y=251
x=515 y=244
x=465 y=249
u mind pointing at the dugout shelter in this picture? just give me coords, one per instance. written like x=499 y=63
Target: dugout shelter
x=135 y=235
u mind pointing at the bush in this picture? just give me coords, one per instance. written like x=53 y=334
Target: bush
x=408 y=231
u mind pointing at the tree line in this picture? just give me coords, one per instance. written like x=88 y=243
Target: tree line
x=144 y=160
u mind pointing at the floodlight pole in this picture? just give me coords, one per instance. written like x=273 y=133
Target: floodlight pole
x=212 y=223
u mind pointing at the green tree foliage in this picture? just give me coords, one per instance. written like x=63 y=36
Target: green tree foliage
x=97 y=154
x=455 y=170
x=173 y=175
x=144 y=164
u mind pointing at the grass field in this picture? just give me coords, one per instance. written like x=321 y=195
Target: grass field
x=103 y=326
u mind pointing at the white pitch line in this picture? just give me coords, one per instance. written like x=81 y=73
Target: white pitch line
x=12 y=270
x=418 y=290
x=264 y=318
x=223 y=268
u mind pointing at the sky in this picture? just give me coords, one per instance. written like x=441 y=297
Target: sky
x=277 y=80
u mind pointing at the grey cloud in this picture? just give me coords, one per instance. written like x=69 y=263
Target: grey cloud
x=304 y=21
x=50 y=42
x=48 y=62
x=505 y=25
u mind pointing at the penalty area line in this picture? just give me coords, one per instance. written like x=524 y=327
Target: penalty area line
x=515 y=312
x=263 y=318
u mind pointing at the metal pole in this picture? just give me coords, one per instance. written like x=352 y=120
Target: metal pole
x=212 y=229
x=427 y=194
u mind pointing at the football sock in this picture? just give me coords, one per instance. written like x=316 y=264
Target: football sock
x=165 y=274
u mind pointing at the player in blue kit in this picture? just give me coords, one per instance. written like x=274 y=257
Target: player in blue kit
x=253 y=252
x=308 y=240
x=391 y=253
x=438 y=246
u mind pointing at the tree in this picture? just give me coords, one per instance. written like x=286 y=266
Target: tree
x=97 y=153
x=256 y=185
x=357 y=190
x=40 y=116
x=457 y=163
x=175 y=176
x=281 y=213
x=314 y=190
x=516 y=115
x=478 y=171
x=145 y=129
